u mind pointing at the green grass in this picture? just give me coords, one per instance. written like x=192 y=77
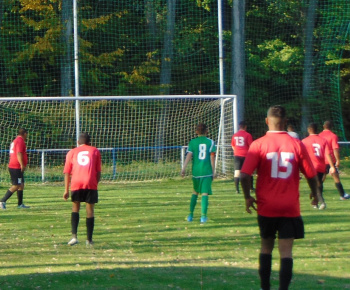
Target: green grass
x=142 y=241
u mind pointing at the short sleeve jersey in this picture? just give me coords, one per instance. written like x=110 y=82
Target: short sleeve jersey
x=332 y=140
x=18 y=145
x=318 y=149
x=278 y=158
x=241 y=142
x=83 y=163
x=201 y=149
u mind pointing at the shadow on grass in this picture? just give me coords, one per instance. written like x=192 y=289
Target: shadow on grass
x=155 y=277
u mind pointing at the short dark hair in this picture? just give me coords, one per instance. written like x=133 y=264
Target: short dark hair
x=201 y=129
x=277 y=111
x=328 y=124
x=313 y=127
x=84 y=138
x=22 y=131
x=242 y=124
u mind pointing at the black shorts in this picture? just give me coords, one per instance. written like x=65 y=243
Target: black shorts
x=329 y=167
x=85 y=195
x=17 y=177
x=287 y=227
x=238 y=162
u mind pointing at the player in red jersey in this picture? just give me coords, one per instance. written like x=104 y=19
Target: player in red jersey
x=332 y=140
x=319 y=152
x=17 y=165
x=277 y=158
x=82 y=171
x=240 y=143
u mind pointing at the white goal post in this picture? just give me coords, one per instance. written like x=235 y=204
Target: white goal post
x=140 y=137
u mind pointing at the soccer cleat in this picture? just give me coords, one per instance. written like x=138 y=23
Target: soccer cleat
x=315 y=206
x=190 y=218
x=237 y=192
x=345 y=197
x=322 y=206
x=204 y=219
x=3 y=205
x=89 y=244
x=73 y=242
x=23 y=206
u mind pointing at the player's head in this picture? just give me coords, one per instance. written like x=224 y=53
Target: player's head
x=242 y=125
x=276 y=118
x=84 y=139
x=290 y=128
x=23 y=133
x=201 y=129
x=328 y=125
x=312 y=128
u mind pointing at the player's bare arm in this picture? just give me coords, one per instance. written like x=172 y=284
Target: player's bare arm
x=212 y=161
x=21 y=160
x=249 y=200
x=66 y=186
x=187 y=160
x=331 y=164
x=315 y=192
x=337 y=157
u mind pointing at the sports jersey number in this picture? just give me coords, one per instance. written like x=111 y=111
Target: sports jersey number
x=11 y=147
x=282 y=161
x=83 y=158
x=317 y=149
x=202 y=151
x=239 y=141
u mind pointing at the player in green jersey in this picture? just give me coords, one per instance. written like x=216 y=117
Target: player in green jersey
x=202 y=152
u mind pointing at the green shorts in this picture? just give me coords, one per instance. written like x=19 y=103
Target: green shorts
x=202 y=184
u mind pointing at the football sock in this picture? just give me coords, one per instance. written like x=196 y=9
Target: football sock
x=193 y=203
x=75 y=222
x=7 y=195
x=20 y=196
x=90 y=222
x=205 y=203
x=340 y=188
x=286 y=269
x=265 y=261
x=236 y=179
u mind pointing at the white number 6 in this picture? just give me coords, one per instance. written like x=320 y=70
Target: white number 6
x=83 y=158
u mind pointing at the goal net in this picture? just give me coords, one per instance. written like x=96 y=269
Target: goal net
x=140 y=138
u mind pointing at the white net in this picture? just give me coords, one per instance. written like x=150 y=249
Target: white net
x=139 y=138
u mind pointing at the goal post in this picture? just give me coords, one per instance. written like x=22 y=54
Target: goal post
x=140 y=137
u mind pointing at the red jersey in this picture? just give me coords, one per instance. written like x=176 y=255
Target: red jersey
x=278 y=158
x=83 y=163
x=332 y=140
x=18 y=145
x=318 y=149
x=241 y=142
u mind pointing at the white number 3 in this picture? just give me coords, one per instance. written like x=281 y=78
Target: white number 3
x=284 y=161
x=83 y=158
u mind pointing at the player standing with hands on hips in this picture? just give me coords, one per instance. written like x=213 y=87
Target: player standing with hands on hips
x=83 y=171
x=202 y=150
x=17 y=165
x=277 y=158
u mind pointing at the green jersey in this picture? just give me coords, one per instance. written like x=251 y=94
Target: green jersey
x=201 y=148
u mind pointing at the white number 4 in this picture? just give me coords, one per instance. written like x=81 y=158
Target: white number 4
x=83 y=158
x=282 y=161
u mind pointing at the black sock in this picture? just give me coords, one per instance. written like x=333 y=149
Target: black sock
x=286 y=269
x=340 y=188
x=75 y=222
x=90 y=222
x=252 y=183
x=236 y=179
x=7 y=195
x=20 y=196
x=265 y=261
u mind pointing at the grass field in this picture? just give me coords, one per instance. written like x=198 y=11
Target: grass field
x=142 y=241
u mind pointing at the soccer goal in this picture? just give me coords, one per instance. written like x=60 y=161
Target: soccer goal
x=140 y=138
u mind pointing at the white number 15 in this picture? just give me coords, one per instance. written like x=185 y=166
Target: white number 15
x=282 y=161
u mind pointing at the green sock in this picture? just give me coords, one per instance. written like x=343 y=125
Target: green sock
x=205 y=203
x=193 y=203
